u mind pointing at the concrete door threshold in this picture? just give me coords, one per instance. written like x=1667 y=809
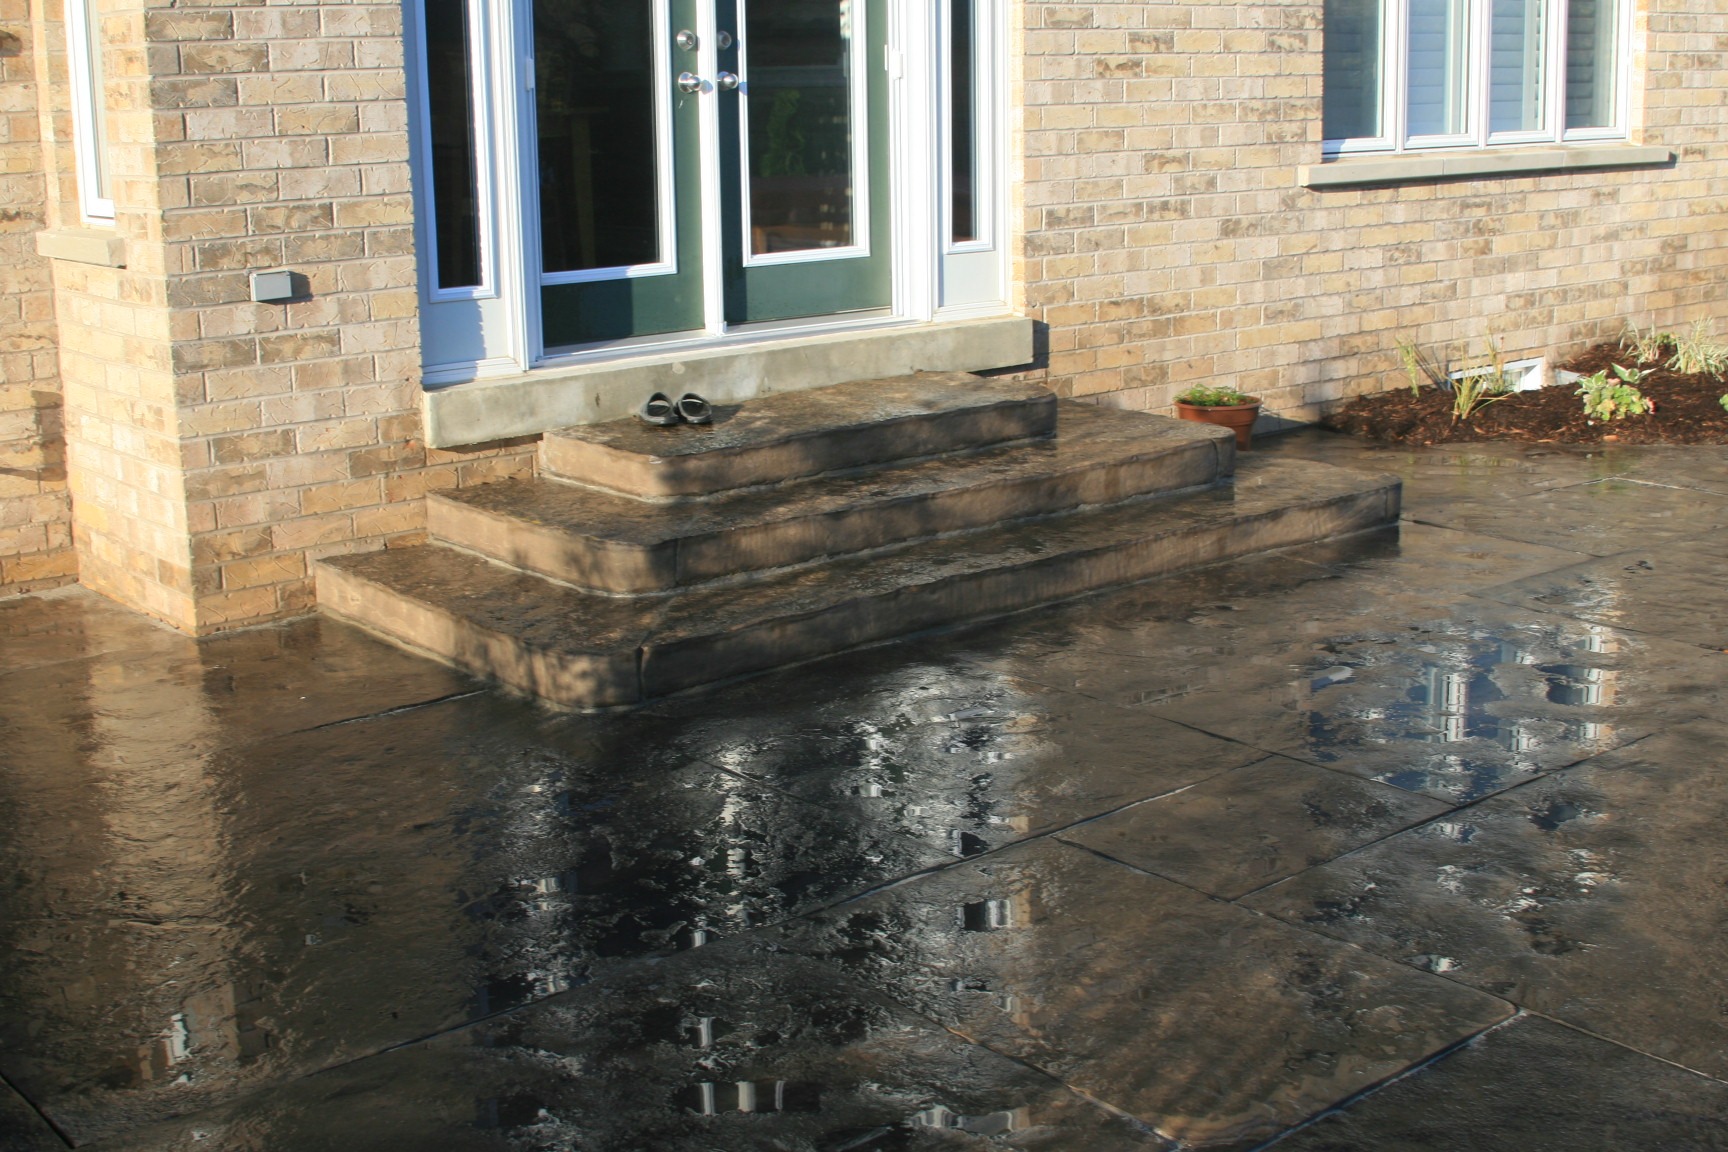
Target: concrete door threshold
x=534 y=402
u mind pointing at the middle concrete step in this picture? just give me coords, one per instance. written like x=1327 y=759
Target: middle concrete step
x=585 y=650
x=613 y=543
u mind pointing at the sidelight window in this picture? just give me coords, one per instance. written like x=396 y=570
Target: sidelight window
x=453 y=125
x=89 y=112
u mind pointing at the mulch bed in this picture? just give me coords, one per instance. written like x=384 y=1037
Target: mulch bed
x=1688 y=411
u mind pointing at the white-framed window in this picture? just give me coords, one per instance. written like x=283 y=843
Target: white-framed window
x=457 y=184
x=1411 y=75
x=89 y=110
x=969 y=128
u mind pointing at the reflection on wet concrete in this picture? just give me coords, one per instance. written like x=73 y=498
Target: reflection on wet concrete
x=723 y=1048
x=1676 y=592
x=1218 y=852
x=958 y=757
x=1457 y=704
x=1212 y=1023
x=1518 y=1089
x=1593 y=895
x=21 y=1128
x=1299 y=816
x=321 y=896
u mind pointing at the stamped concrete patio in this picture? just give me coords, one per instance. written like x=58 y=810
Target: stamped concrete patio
x=1412 y=841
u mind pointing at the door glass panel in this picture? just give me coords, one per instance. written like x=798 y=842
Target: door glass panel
x=962 y=130
x=799 y=124
x=1438 y=66
x=1515 y=80
x=594 y=88
x=455 y=171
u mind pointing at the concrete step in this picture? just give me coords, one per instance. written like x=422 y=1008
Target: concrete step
x=585 y=650
x=789 y=435
x=617 y=544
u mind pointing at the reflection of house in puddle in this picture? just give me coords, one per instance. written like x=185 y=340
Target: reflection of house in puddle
x=1584 y=685
x=1449 y=700
x=990 y=1124
x=760 y=1096
x=996 y=915
x=1012 y=918
x=167 y=948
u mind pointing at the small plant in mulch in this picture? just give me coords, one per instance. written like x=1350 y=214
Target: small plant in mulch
x=1479 y=382
x=1650 y=387
x=1698 y=353
x=1607 y=400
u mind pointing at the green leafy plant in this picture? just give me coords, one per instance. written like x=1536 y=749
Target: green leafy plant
x=1606 y=399
x=1480 y=382
x=1647 y=344
x=1421 y=366
x=1724 y=403
x=1215 y=396
x=1699 y=352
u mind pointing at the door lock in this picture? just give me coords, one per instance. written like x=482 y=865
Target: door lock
x=687 y=40
x=690 y=82
x=725 y=81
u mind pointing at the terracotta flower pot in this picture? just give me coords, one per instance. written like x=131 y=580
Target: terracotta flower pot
x=1239 y=418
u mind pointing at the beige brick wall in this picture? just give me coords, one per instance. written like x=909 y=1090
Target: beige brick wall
x=35 y=509
x=218 y=445
x=283 y=144
x=1167 y=241
x=122 y=450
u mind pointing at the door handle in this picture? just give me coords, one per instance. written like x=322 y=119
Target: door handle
x=726 y=81
x=690 y=82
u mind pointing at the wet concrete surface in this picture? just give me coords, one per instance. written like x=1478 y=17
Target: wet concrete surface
x=1518 y=1088
x=1405 y=841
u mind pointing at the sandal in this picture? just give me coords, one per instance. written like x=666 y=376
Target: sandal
x=657 y=409
x=694 y=410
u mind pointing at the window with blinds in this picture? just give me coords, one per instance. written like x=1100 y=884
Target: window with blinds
x=1405 y=75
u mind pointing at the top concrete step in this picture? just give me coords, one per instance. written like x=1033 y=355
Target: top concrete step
x=790 y=435
x=611 y=543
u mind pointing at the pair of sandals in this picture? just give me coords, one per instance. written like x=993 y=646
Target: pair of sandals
x=688 y=409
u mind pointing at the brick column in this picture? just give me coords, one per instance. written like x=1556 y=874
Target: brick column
x=220 y=444
x=35 y=510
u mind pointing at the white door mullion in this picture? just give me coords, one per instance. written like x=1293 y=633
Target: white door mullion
x=708 y=179
x=1478 y=99
x=509 y=172
x=519 y=71
x=1395 y=52
x=1554 y=57
x=914 y=156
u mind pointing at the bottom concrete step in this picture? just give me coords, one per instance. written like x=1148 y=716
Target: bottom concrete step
x=584 y=650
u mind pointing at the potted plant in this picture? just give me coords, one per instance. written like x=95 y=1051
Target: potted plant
x=1223 y=406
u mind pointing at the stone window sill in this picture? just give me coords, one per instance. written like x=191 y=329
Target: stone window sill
x=83 y=246
x=1410 y=167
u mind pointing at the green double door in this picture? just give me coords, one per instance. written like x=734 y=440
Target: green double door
x=703 y=156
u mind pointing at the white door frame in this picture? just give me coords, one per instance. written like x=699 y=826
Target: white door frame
x=923 y=259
